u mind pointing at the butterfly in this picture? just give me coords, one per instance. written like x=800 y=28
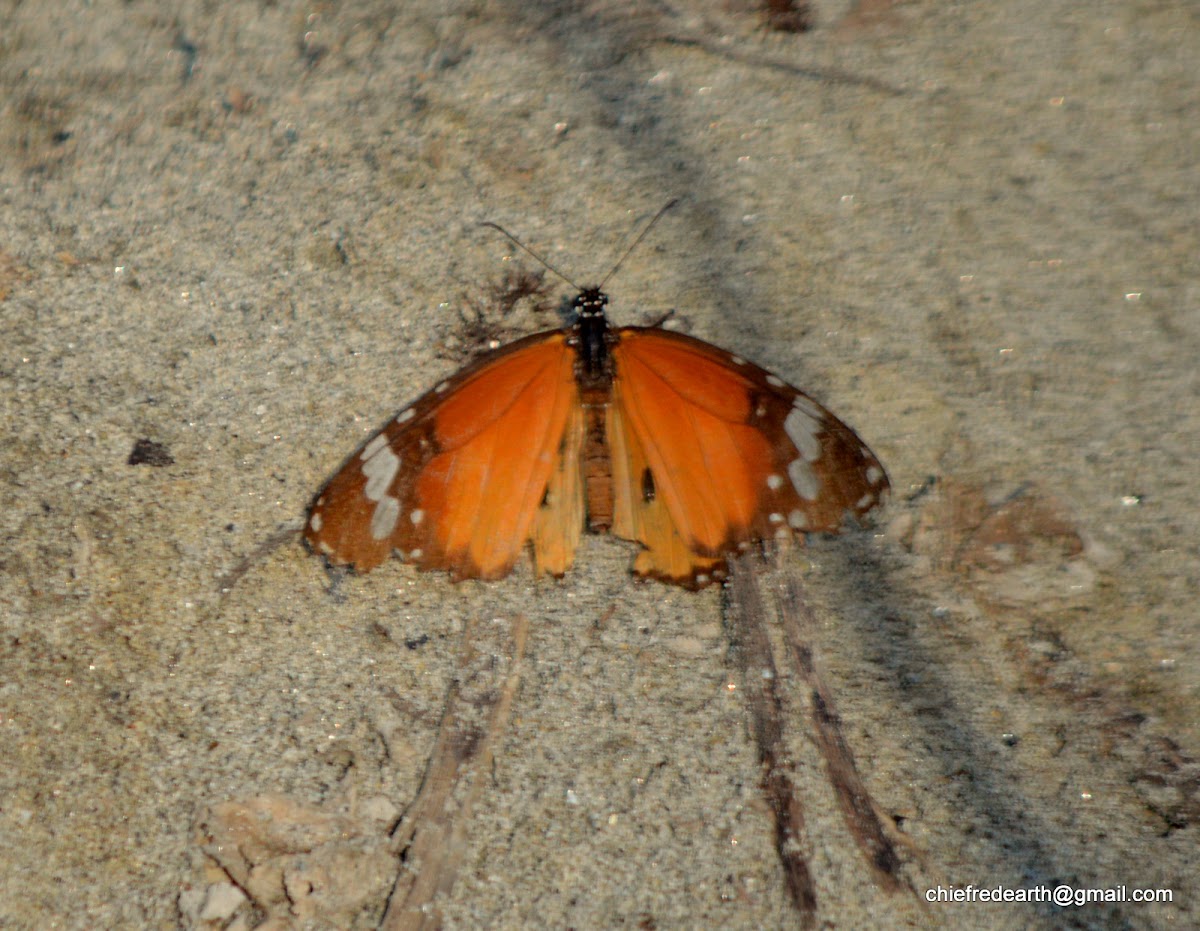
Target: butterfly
x=654 y=436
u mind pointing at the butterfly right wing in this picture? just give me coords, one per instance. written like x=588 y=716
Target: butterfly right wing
x=456 y=481
x=730 y=454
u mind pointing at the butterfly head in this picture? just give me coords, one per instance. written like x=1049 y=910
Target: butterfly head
x=590 y=303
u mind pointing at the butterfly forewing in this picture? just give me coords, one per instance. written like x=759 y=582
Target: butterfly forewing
x=453 y=482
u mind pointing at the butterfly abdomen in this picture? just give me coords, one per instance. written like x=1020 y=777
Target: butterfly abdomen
x=597 y=463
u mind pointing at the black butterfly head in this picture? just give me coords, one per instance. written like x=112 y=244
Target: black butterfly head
x=590 y=303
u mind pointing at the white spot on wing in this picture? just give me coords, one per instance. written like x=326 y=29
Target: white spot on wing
x=774 y=382
x=373 y=447
x=383 y=521
x=736 y=360
x=316 y=523
x=863 y=501
x=874 y=474
x=416 y=516
x=380 y=469
x=774 y=482
x=775 y=518
x=405 y=415
x=809 y=406
x=797 y=520
x=804 y=479
x=442 y=386
x=801 y=428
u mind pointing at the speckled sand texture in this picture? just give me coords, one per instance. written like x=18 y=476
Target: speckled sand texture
x=246 y=232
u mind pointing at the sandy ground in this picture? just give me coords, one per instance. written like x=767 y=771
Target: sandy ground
x=244 y=231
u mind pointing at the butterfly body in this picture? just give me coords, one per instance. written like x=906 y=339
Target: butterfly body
x=651 y=435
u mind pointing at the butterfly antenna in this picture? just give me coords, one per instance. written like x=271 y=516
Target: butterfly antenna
x=637 y=242
x=524 y=248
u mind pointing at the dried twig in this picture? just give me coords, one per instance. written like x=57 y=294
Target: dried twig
x=431 y=837
x=858 y=809
x=227 y=580
x=766 y=708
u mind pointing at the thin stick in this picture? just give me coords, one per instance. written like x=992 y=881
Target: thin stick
x=433 y=832
x=760 y=680
x=858 y=808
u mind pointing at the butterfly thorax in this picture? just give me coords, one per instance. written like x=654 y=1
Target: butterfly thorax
x=591 y=340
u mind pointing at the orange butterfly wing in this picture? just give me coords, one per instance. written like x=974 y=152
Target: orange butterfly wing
x=711 y=452
x=640 y=511
x=559 y=521
x=462 y=478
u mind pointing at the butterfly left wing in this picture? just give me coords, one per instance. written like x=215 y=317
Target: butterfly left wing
x=734 y=453
x=457 y=480
x=558 y=524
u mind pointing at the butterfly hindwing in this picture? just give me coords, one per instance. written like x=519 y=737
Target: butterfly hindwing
x=640 y=511
x=455 y=481
x=559 y=520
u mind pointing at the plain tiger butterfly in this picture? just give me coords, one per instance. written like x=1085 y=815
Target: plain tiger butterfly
x=659 y=438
